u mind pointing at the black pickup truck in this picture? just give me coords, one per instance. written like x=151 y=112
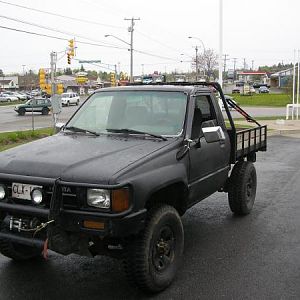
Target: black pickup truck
x=119 y=174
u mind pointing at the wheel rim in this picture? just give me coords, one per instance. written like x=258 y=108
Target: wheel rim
x=163 y=250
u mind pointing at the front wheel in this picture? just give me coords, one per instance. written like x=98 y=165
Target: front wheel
x=21 y=111
x=242 y=188
x=153 y=258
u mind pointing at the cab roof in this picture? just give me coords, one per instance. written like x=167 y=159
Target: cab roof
x=161 y=87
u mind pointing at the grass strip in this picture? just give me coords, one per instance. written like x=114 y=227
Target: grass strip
x=16 y=138
x=11 y=103
x=271 y=100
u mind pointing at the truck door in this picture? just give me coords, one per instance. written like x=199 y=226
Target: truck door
x=209 y=161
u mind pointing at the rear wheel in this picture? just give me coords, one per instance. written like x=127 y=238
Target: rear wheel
x=45 y=111
x=68 y=103
x=77 y=103
x=242 y=188
x=17 y=251
x=153 y=258
x=21 y=111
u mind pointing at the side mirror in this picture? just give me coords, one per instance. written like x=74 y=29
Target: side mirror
x=213 y=134
x=59 y=126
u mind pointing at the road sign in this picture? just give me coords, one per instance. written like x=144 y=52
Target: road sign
x=56 y=104
x=89 y=61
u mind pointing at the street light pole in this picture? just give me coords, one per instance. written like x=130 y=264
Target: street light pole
x=221 y=42
x=131 y=29
x=197 y=61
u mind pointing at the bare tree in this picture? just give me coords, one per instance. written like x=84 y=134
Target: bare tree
x=207 y=63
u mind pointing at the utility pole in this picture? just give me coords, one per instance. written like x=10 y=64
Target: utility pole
x=116 y=73
x=252 y=62
x=225 y=60
x=24 y=80
x=244 y=64
x=53 y=59
x=196 y=48
x=131 y=29
x=234 y=64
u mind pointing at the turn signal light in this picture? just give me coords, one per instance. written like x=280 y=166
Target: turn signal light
x=93 y=224
x=120 y=200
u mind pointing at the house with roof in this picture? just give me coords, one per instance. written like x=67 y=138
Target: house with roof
x=9 y=82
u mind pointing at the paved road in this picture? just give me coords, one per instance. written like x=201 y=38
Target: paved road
x=261 y=111
x=11 y=121
x=226 y=257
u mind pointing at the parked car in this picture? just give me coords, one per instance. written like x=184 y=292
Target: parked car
x=35 y=93
x=90 y=91
x=41 y=105
x=240 y=83
x=3 y=98
x=236 y=90
x=259 y=84
x=70 y=98
x=9 y=97
x=263 y=90
x=20 y=96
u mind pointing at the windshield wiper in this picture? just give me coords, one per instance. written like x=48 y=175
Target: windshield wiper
x=77 y=129
x=129 y=131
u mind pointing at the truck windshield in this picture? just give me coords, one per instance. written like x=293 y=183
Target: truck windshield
x=155 y=112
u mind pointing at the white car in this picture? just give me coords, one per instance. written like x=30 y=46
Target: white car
x=70 y=98
x=20 y=96
x=9 y=97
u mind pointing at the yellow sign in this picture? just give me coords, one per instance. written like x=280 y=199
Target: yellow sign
x=81 y=79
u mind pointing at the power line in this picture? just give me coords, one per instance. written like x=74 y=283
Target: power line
x=59 y=38
x=52 y=29
x=155 y=55
x=83 y=42
x=34 y=33
x=59 y=15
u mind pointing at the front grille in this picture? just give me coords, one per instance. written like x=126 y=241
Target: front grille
x=72 y=197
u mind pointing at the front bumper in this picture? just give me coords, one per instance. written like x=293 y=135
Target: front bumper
x=70 y=221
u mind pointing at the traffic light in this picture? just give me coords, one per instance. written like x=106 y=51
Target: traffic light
x=69 y=58
x=112 y=79
x=48 y=89
x=71 y=47
x=60 y=88
x=42 y=78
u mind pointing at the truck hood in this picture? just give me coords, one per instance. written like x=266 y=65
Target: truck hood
x=76 y=157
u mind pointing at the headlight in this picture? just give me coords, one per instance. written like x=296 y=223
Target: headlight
x=37 y=196
x=98 y=198
x=2 y=192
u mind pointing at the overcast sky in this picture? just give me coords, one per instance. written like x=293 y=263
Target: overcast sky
x=265 y=31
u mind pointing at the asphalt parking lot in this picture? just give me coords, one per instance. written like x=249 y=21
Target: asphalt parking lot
x=226 y=257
